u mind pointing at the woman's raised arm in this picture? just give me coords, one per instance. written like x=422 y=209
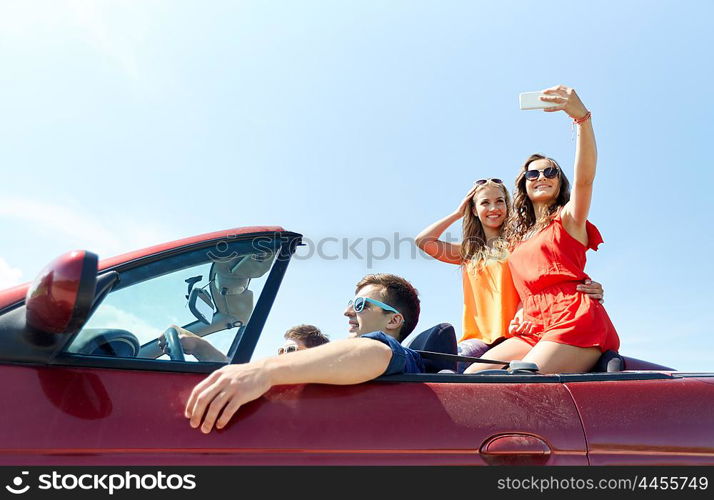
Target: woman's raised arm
x=428 y=240
x=575 y=212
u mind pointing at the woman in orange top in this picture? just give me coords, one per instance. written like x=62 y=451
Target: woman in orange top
x=549 y=233
x=490 y=298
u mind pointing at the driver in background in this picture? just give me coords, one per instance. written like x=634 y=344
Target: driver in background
x=301 y=337
x=383 y=312
x=297 y=338
x=198 y=347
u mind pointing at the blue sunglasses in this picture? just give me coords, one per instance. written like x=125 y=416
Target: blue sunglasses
x=358 y=304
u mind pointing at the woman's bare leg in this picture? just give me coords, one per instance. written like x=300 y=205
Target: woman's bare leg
x=552 y=357
x=508 y=350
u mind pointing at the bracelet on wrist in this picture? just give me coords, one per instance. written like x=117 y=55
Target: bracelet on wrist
x=579 y=121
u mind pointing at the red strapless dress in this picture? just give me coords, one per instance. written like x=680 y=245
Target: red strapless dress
x=546 y=269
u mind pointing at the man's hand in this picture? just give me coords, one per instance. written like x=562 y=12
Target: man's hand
x=592 y=289
x=223 y=392
x=341 y=362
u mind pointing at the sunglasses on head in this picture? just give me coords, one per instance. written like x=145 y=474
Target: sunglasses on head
x=481 y=182
x=290 y=348
x=548 y=173
x=358 y=304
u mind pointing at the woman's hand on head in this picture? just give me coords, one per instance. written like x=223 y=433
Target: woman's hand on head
x=465 y=204
x=566 y=99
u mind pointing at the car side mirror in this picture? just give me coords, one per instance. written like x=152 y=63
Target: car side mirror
x=60 y=298
x=201 y=305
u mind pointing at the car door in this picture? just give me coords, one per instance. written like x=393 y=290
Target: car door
x=95 y=386
x=92 y=415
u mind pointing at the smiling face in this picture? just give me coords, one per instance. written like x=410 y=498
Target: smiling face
x=372 y=318
x=542 y=190
x=491 y=208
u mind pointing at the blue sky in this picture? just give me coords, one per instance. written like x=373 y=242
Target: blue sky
x=129 y=123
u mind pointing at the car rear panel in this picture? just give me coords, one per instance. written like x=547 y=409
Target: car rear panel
x=647 y=422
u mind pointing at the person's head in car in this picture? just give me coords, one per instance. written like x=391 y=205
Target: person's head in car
x=302 y=337
x=383 y=302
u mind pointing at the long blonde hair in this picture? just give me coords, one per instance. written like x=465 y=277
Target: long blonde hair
x=474 y=247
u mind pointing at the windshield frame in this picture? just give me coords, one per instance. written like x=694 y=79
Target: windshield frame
x=154 y=266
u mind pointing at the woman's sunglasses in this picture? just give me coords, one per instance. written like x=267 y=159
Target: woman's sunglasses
x=481 y=182
x=548 y=173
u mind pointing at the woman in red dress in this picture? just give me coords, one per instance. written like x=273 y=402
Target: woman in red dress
x=559 y=329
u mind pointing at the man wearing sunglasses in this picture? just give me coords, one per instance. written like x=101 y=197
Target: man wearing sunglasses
x=386 y=308
x=289 y=346
x=302 y=337
x=383 y=312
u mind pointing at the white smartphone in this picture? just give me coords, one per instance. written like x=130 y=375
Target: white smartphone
x=531 y=100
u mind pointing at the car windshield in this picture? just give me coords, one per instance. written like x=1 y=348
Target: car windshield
x=211 y=294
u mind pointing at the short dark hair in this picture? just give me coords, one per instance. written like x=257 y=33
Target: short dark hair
x=309 y=335
x=398 y=293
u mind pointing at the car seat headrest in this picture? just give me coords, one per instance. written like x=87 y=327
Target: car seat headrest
x=439 y=338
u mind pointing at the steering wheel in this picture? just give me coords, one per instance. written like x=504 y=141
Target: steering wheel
x=173 y=345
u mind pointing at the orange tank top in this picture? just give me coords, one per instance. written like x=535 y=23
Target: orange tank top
x=490 y=300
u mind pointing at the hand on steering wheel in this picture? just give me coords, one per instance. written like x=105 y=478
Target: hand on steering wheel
x=173 y=345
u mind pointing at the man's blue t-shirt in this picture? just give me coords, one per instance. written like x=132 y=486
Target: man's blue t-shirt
x=404 y=360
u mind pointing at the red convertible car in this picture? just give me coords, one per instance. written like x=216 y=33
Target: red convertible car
x=84 y=380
